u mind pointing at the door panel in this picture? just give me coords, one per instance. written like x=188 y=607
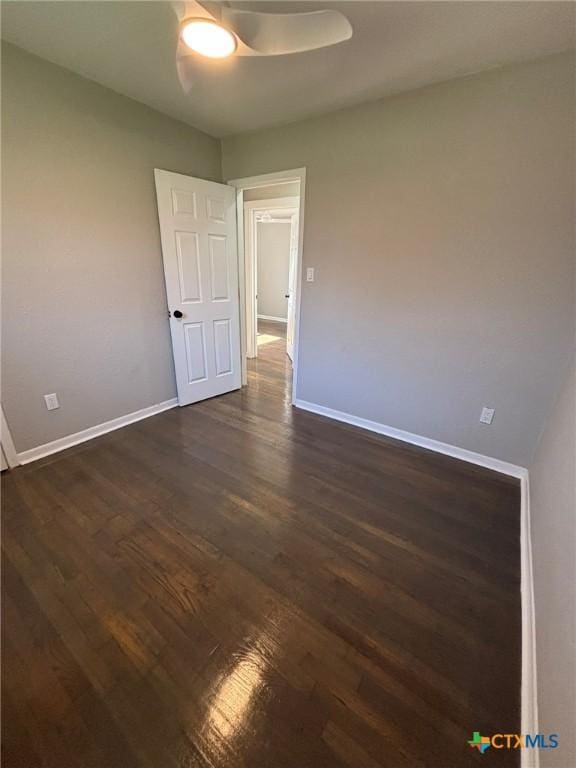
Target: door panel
x=215 y=210
x=195 y=352
x=198 y=233
x=188 y=266
x=223 y=347
x=183 y=202
x=219 y=268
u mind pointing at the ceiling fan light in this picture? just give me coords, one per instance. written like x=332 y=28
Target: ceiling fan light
x=208 y=38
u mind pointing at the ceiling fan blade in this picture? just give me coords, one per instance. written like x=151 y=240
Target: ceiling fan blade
x=275 y=34
x=194 y=9
x=184 y=71
x=260 y=34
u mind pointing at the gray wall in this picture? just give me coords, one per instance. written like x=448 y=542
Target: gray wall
x=84 y=310
x=273 y=262
x=441 y=226
x=553 y=517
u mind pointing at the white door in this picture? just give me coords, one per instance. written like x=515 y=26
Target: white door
x=198 y=233
x=292 y=287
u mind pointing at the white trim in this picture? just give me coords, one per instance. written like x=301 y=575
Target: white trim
x=282 y=177
x=408 y=437
x=272 y=204
x=88 y=434
x=242 y=284
x=7 y=442
x=529 y=696
x=269 y=179
x=251 y=282
x=275 y=319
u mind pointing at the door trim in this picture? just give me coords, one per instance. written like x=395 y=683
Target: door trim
x=253 y=182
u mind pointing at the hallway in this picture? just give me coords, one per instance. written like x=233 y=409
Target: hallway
x=272 y=364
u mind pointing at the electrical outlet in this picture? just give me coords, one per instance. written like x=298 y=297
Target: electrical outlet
x=310 y=274
x=487 y=415
x=51 y=401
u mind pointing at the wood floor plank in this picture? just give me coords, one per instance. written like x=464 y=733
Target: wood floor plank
x=240 y=584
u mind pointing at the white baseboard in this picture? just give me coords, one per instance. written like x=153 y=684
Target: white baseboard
x=87 y=434
x=408 y=437
x=529 y=696
x=275 y=319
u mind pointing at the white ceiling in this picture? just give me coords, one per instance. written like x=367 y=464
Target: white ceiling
x=396 y=46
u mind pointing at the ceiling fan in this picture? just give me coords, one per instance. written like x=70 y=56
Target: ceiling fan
x=217 y=30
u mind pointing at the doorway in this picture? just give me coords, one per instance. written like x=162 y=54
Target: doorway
x=271 y=238
x=210 y=234
x=270 y=222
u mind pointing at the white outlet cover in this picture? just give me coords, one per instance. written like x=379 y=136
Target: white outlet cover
x=51 y=401
x=487 y=415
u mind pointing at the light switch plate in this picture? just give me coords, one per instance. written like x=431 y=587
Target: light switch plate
x=310 y=274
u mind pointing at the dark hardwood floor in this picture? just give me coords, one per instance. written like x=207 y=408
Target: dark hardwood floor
x=238 y=583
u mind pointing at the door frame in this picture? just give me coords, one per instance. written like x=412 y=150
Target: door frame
x=251 y=209
x=253 y=182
